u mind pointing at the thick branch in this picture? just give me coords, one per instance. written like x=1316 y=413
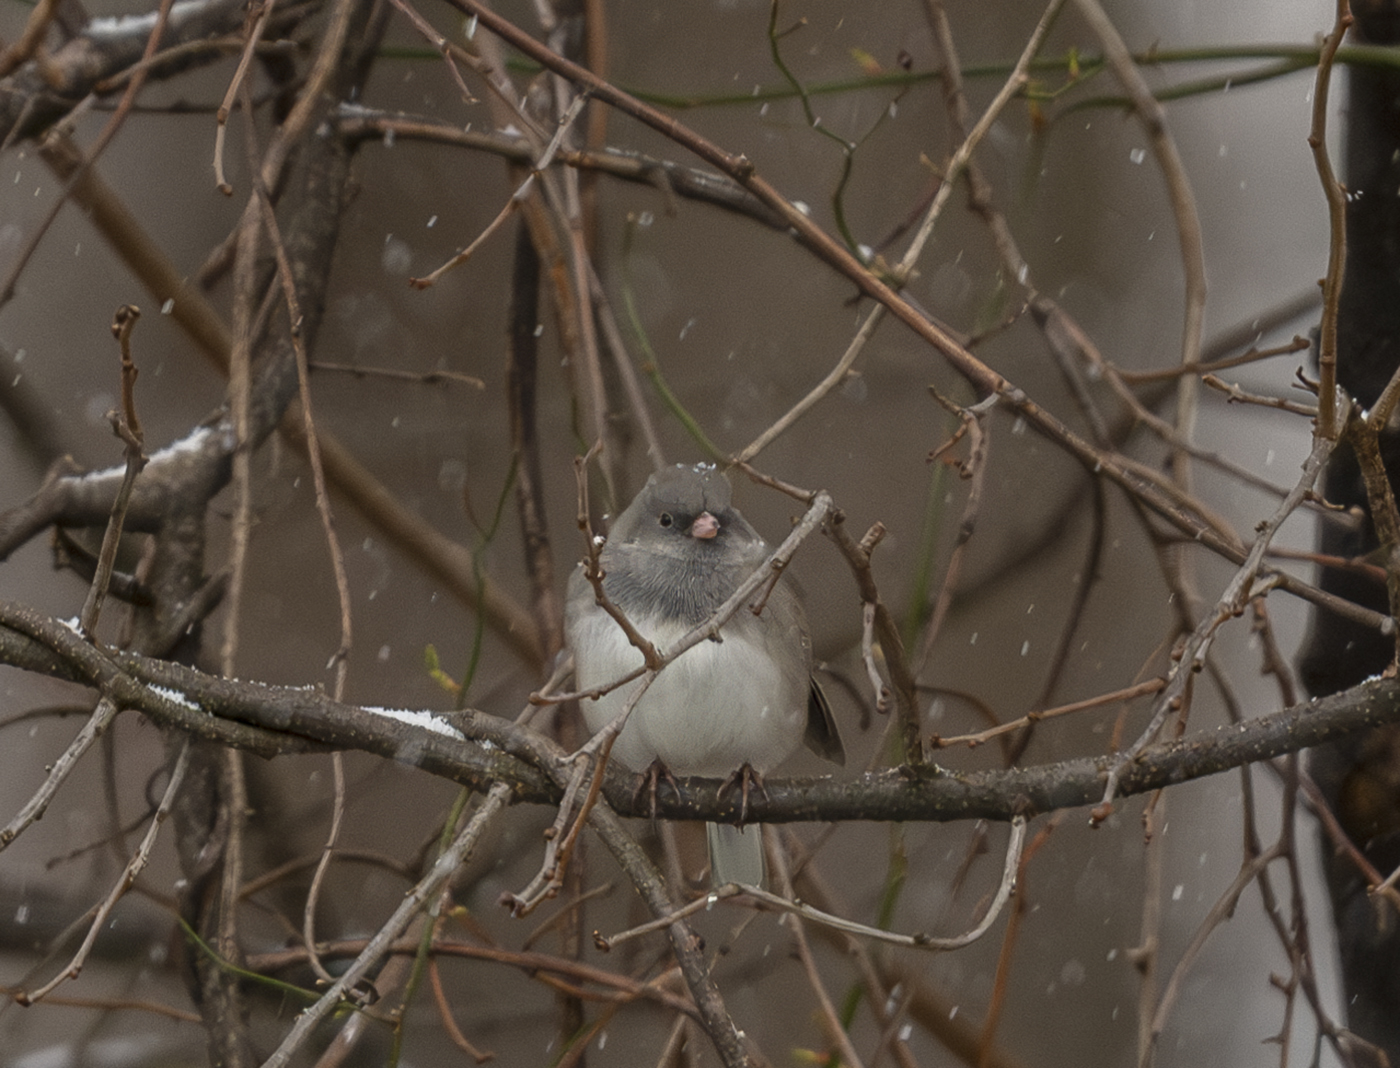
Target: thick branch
x=271 y=720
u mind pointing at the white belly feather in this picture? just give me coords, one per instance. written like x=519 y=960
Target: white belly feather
x=719 y=705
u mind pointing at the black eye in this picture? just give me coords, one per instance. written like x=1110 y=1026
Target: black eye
x=666 y=519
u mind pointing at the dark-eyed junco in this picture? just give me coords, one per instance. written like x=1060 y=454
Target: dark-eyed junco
x=673 y=557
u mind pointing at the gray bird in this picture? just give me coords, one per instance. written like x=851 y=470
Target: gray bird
x=673 y=557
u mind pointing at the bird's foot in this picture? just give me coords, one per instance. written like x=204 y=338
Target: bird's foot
x=746 y=779
x=649 y=781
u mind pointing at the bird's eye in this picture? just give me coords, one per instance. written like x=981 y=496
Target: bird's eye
x=666 y=519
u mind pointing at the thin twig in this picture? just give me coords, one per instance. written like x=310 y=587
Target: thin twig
x=254 y=26
x=308 y=921
x=902 y=271
x=423 y=891
x=128 y=876
x=607 y=321
x=1183 y=201
x=1236 y=395
x=127 y=426
x=1327 y=425
x=1005 y=888
x=593 y=566
x=1232 y=601
x=340 y=658
x=1001 y=981
x=502 y=217
x=37 y=804
x=891 y=644
x=972 y=425
x=1225 y=363
x=1009 y=90
x=448 y=50
x=1127 y=693
x=426 y=378
x=574 y=974
x=836 y=1034
x=1219 y=912
x=444 y=1008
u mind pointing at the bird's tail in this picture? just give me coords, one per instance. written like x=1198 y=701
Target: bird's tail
x=736 y=854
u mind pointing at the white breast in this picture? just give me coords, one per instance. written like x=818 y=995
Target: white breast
x=718 y=706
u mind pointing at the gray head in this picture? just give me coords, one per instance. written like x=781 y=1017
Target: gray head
x=680 y=547
x=674 y=499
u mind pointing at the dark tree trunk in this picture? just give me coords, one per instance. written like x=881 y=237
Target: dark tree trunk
x=1361 y=776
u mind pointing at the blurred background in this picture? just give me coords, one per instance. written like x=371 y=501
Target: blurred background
x=743 y=321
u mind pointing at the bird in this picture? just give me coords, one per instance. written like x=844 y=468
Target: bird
x=735 y=706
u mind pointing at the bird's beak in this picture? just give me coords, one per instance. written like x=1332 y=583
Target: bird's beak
x=705 y=526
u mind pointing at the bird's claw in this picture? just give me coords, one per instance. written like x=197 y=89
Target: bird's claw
x=746 y=779
x=649 y=781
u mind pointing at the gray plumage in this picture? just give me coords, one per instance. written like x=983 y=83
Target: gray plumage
x=678 y=552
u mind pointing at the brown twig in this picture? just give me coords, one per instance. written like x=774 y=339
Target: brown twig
x=701 y=184
x=891 y=644
x=444 y=1009
x=972 y=425
x=448 y=50
x=1327 y=425
x=1127 y=693
x=426 y=378
x=1219 y=912
x=1236 y=395
x=1067 y=339
x=1340 y=840
x=827 y=1015
x=919 y=940
x=570 y=819
x=593 y=567
x=1074 y=616
x=382 y=942
x=105 y=1005
x=1183 y=204
x=60 y=769
x=127 y=426
x=1252 y=355
x=579 y=977
x=323 y=863
x=123 y=884
x=1232 y=601
x=256 y=23
x=339 y=660
x=1001 y=980
x=612 y=334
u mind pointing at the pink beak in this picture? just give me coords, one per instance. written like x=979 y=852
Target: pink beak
x=705 y=526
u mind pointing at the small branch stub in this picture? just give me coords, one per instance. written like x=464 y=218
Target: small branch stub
x=123 y=322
